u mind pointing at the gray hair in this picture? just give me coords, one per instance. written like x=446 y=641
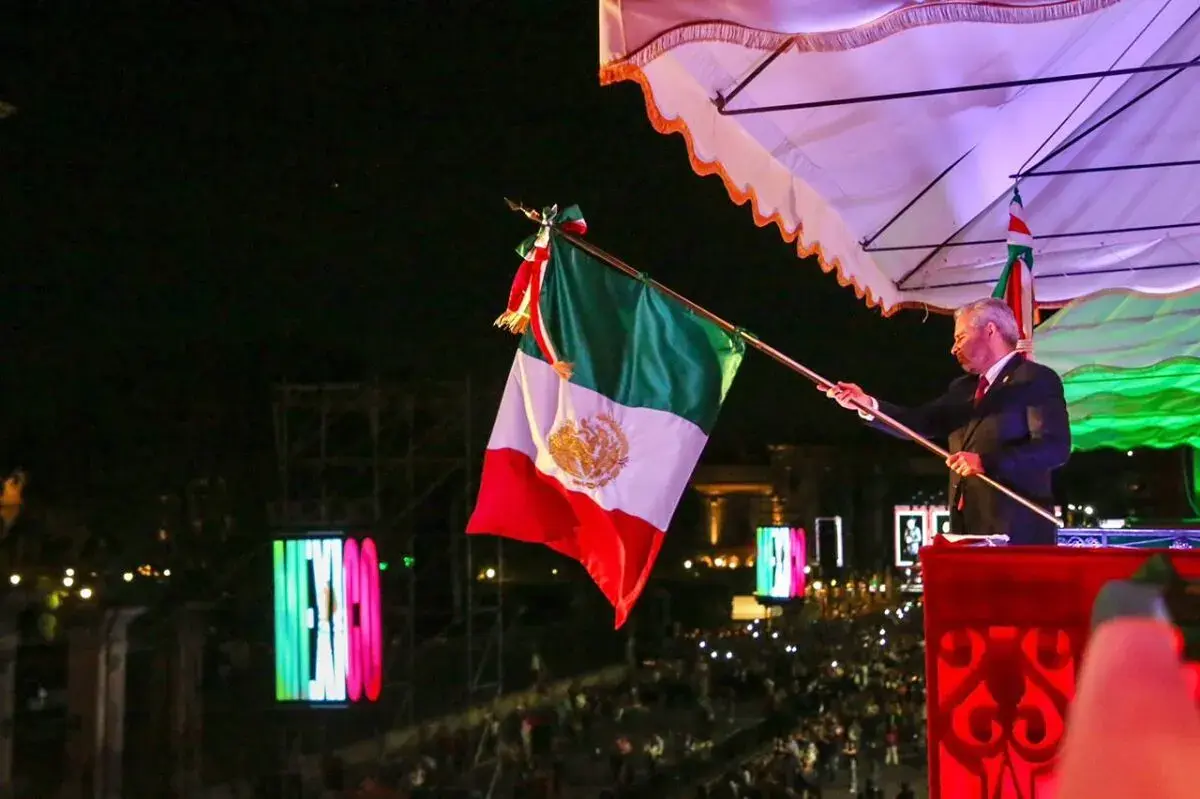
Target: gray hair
x=997 y=312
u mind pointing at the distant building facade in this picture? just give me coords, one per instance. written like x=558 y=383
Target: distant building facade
x=799 y=483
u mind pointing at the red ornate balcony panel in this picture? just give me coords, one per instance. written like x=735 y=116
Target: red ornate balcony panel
x=1004 y=632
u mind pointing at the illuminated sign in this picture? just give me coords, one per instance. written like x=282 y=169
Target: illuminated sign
x=913 y=530
x=780 y=562
x=938 y=524
x=828 y=532
x=939 y=521
x=328 y=630
x=747 y=608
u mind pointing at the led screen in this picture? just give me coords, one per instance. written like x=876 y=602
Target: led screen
x=780 y=562
x=328 y=630
x=747 y=608
x=912 y=530
x=829 y=544
x=939 y=524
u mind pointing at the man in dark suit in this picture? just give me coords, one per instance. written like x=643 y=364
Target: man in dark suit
x=1006 y=418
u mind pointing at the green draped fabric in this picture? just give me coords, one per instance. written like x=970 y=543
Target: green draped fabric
x=1130 y=365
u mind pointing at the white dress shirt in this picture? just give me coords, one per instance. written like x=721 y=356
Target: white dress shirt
x=995 y=369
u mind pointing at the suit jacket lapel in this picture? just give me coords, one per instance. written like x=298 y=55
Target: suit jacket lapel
x=1001 y=379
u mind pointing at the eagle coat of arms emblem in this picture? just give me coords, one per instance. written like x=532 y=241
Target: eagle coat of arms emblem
x=592 y=451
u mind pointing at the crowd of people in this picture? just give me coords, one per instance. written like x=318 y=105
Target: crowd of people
x=824 y=700
x=858 y=712
x=666 y=714
x=795 y=707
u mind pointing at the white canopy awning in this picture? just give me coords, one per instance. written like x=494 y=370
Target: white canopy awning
x=892 y=193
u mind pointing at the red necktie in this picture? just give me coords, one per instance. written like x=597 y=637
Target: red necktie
x=980 y=389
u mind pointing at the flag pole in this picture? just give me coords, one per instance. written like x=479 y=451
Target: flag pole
x=777 y=356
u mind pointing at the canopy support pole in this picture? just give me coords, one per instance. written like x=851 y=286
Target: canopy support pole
x=1093 y=170
x=867 y=242
x=724 y=99
x=1106 y=271
x=974 y=87
x=1079 y=234
x=1175 y=70
x=822 y=383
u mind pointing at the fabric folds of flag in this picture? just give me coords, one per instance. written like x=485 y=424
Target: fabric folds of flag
x=1016 y=281
x=594 y=466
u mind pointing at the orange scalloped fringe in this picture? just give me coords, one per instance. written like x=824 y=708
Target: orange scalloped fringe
x=628 y=72
x=627 y=67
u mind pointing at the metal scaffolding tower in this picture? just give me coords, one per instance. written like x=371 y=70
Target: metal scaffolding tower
x=399 y=462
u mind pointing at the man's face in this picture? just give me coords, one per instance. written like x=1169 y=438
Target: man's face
x=972 y=345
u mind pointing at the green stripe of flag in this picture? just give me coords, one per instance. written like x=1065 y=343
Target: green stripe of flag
x=1016 y=253
x=630 y=342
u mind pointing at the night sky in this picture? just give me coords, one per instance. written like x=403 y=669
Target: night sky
x=202 y=198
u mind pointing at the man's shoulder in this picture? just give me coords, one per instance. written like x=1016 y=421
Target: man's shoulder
x=1032 y=370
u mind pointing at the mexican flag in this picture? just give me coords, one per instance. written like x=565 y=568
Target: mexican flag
x=1016 y=281
x=592 y=459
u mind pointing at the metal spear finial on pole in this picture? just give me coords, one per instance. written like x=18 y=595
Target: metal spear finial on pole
x=529 y=213
x=821 y=382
